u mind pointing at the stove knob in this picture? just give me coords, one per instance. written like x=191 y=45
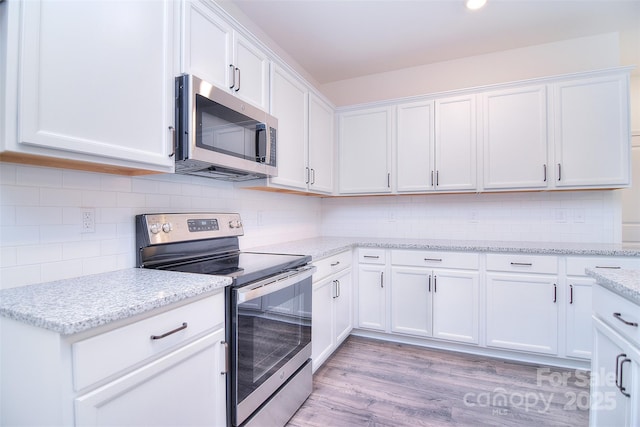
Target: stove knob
x=235 y=224
x=166 y=227
x=154 y=228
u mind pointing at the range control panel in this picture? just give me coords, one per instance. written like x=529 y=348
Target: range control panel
x=172 y=228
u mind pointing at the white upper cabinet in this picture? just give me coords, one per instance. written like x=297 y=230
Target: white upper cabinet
x=95 y=84
x=515 y=138
x=215 y=52
x=289 y=98
x=321 y=141
x=591 y=132
x=455 y=149
x=436 y=145
x=415 y=146
x=365 y=151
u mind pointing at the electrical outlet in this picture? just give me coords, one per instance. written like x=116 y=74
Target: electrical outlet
x=88 y=220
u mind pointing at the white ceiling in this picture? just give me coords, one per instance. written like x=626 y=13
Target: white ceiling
x=341 y=39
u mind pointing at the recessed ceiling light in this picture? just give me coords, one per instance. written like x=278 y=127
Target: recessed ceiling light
x=475 y=4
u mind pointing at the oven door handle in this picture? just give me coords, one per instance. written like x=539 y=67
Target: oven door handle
x=273 y=284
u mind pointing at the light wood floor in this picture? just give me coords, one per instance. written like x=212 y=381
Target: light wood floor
x=374 y=383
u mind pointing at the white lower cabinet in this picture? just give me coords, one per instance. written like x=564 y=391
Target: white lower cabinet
x=615 y=366
x=166 y=368
x=522 y=312
x=579 y=334
x=186 y=387
x=372 y=292
x=332 y=318
x=422 y=301
x=522 y=302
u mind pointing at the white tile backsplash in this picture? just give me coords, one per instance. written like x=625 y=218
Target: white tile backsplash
x=41 y=238
x=40 y=218
x=569 y=216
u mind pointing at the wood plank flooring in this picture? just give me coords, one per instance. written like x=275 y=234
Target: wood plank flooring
x=375 y=383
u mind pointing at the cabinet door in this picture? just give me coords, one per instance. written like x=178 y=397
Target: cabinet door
x=322 y=321
x=321 y=136
x=365 y=144
x=343 y=306
x=206 y=44
x=97 y=80
x=289 y=106
x=414 y=149
x=515 y=138
x=371 y=297
x=579 y=325
x=182 y=388
x=522 y=312
x=609 y=407
x=592 y=139
x=252 y=74
x=411 y=296
x=457 y=289
x=455 y=152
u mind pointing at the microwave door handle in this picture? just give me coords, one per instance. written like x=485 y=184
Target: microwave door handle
x=261 y=149
x=273 y=284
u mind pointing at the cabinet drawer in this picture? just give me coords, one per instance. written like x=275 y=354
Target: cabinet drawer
x=520 y=263
x=371 y=256
x=577 y=265
x=434 y=259
x=106 y=354
x=606 y=303
x=331 y=264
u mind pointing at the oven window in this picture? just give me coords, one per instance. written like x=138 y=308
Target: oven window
x=271 y=330
x=228 y=132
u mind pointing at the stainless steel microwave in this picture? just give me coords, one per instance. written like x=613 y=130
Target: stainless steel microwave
x=220 y=136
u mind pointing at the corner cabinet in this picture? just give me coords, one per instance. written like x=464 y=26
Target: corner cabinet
x=94 y=85
x=365 y=151
x=167 y=367
x=615 y=390
x=591 y=132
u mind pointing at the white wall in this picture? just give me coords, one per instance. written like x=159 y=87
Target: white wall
x=580 y=216
x=40 y=218
x=582 y=54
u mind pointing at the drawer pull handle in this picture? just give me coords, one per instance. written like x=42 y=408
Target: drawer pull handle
x=619 y=317
x=522 y=264
x=433 y=259
x=335 y=263
x=166 y=334
x=604 y=266
x=372 y=256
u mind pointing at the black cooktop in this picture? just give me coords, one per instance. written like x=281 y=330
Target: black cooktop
x=242 y=267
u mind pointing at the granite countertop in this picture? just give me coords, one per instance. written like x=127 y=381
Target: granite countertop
x=322 y=247
x=625 y=283
x=74 y=305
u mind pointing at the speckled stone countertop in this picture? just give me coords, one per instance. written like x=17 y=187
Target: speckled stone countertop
x=322 y=247
x=625 y=283
x=74 y=305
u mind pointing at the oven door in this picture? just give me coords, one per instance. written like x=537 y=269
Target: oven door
x=271 y=337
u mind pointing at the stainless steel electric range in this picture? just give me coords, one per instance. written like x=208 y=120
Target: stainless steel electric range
x=268 y=314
